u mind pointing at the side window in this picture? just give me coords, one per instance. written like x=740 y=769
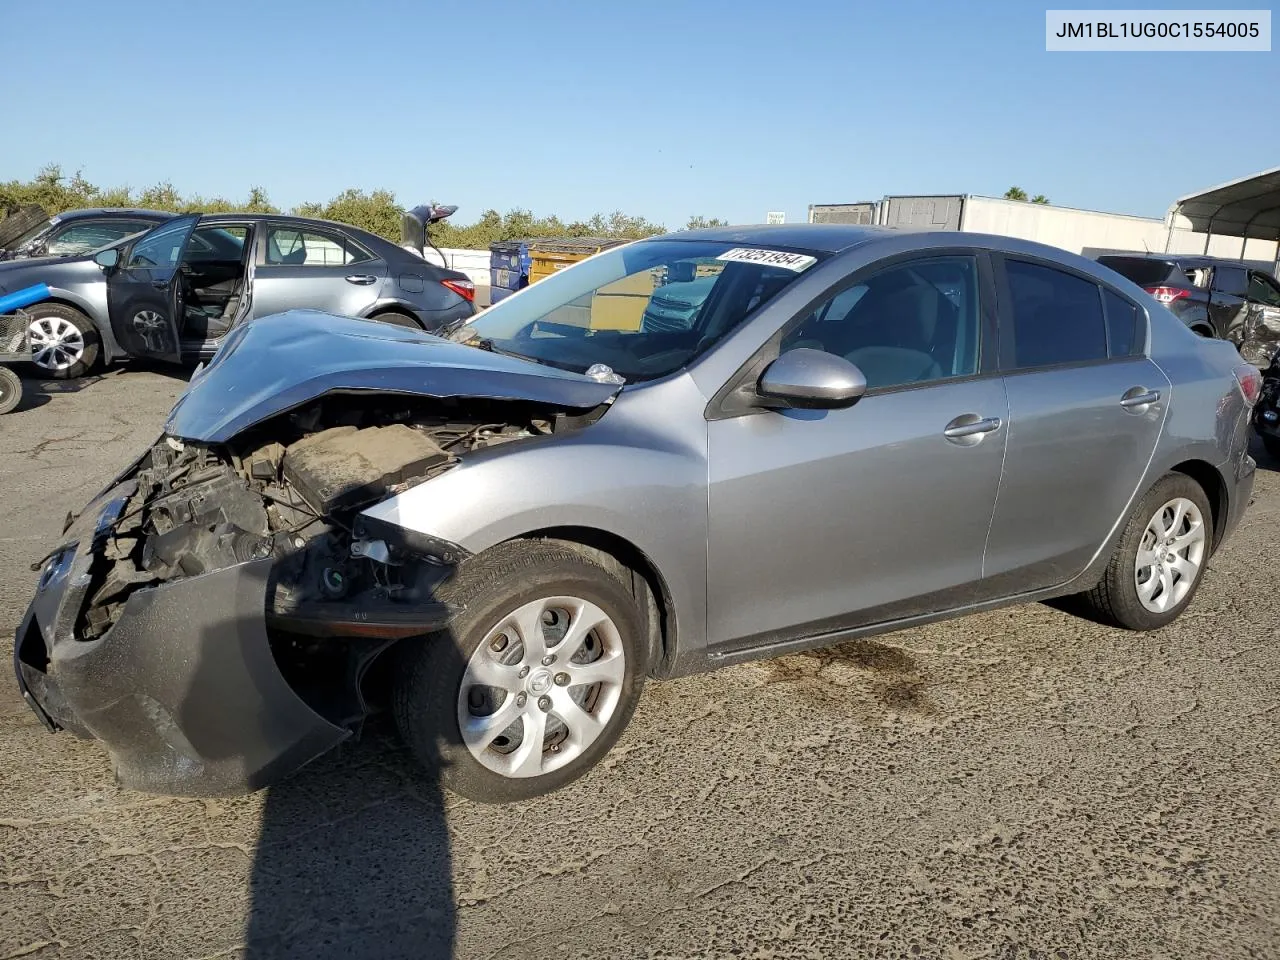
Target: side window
x=1230 y=280
x=1122 y=324
x=1057 y=317
x=291 y=246
x=1262 y=289
x=161 y=247
x=912 y=323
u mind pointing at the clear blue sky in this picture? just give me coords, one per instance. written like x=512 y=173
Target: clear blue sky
x=658 y=108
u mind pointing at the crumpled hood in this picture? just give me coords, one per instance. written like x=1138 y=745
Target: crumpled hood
x=16 y=274
x=272 y=364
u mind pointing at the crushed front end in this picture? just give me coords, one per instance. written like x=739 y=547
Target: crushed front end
x=219 y=616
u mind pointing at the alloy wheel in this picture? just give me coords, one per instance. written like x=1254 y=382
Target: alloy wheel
x=1170 y=555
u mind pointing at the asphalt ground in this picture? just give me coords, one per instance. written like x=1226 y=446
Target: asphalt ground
x=1014 y=784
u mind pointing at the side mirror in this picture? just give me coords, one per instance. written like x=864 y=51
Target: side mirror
x=107 y=258
x=810 y=379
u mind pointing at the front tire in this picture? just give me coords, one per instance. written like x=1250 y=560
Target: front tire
x=64 y=342
x=534 y=681
x=1160 y=561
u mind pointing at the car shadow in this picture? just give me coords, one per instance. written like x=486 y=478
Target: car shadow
x=353 y=860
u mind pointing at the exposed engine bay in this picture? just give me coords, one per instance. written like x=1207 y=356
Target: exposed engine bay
x=290 y=490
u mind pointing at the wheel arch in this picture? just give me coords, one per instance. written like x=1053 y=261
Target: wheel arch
x=647 y=583
x=1215 y=488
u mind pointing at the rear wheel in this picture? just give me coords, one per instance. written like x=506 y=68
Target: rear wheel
x=64 y=342
x=398 y=319
x=535 y=679
x=1160 y=560
x=10 y=390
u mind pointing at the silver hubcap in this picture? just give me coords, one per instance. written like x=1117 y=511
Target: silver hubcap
x=541 y=687
x=1170 y=555
x=56 y=344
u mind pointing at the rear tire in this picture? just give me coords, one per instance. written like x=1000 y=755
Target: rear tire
x=1160 y=561
x=10 y=391
x=1272 y=446
x=398 y=319
x=507 y=655
x=64 y=342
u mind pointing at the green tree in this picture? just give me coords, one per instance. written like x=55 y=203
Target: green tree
x=698 y=222
x=1015 y=193
x=1040 y=198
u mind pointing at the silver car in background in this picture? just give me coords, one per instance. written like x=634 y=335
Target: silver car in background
x=503 y=534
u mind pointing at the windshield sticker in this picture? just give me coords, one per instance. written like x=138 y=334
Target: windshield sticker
x=770 y=258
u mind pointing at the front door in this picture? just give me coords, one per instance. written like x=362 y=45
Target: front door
x=306 y=267
x=821 y=521
x=144 y=292
x=1086 y=407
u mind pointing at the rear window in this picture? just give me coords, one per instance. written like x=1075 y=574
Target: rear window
x=1142 y=271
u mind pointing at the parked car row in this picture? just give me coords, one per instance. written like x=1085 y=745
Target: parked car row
x=500 y=534
x=171 y=288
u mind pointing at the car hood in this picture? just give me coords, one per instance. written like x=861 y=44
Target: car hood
x=16 y=274
x=273 y=364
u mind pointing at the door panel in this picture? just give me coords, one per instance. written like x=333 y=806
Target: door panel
x=309 y=269
x=144 y=293
x=1075 y=457
x=822 y=520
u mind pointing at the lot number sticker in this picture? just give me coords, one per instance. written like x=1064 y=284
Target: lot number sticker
x=770 y=258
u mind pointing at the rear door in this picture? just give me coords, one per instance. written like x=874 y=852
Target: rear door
x=144 y=291
x=316 y=268
x=1227 y=305
x=1086 y=407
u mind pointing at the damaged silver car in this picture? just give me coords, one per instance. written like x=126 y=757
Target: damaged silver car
x=501 y=535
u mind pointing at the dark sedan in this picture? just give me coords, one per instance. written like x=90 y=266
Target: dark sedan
x=174 y=292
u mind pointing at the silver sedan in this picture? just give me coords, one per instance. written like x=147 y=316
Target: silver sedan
x=503 y=534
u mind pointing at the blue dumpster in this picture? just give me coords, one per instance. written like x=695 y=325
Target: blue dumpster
x=509 y=264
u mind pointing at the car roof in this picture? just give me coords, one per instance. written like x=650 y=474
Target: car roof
x=1196 y=260
x=114 y=212
x=823 y=237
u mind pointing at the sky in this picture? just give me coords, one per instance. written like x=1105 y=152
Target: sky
x=659 y=109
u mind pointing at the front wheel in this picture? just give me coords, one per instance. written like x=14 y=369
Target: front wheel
x=535 y=679
x=1160 y=560
x=64 y=342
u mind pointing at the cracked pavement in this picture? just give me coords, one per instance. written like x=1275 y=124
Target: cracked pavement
x=1018 y=784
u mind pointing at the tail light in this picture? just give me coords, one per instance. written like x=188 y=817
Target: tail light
x=1249 y=380
x=1167 y=294
x=463 y=288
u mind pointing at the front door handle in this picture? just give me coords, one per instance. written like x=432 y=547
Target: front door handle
x=363 y=279
x=969 y=428
x=1139 y=397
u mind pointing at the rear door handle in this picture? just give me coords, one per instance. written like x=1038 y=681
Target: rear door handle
x=363 y=279
x=1139 y=397
x=969 y=428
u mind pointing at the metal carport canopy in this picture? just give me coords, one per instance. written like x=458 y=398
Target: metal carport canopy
x=1248 y=208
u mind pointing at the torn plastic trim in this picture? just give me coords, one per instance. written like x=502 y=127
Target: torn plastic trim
x=421 y=545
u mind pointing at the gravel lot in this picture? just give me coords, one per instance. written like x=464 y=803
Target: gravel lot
x=1016 y=784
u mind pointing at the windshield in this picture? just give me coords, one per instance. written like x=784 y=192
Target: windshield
x=644 y=310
